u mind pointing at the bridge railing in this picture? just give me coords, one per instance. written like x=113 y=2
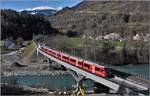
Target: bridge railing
x=113 y=67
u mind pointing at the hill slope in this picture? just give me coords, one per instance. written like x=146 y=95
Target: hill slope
x=23 y=25
x=95 y=18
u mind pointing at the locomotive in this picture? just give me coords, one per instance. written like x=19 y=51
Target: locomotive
x=77 y=62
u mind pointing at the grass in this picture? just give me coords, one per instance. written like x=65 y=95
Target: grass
x=28 y=50
x=83 y=41
x=119 y=44
x=80 y=43
x=77 y=41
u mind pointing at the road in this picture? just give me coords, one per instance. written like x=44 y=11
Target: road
x=9 y=58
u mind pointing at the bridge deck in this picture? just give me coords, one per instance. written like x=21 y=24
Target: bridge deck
x=113 y=83
x=101 y=80
x=139 y=81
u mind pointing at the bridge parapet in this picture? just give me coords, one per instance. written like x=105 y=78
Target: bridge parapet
x=113 y=83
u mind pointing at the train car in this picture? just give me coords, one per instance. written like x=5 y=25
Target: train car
x=53 y=53
x=65 y=57
x=95 y=68
x=73 y=60
x=80 y=63
x=44 y=49
x=59 y=55
x=87 y=66
x=49 y=52
x=100 y=70
x=41 y=47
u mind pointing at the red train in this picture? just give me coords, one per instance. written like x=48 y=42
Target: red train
x=80 y=63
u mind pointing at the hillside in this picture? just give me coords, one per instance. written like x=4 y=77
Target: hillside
x=15 y=24
x=95 y=18
x=87 y=19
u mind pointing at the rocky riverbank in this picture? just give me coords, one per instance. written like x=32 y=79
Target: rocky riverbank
x=32 y=73
x=11 y=66
x=8 y=89
x=17 y=69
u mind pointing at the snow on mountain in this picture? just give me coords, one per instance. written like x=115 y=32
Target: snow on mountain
x=41 y=8
x=59 y=8
x=44 y=10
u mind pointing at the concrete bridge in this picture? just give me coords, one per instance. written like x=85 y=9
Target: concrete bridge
x=117 y=84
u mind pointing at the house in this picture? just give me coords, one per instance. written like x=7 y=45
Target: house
x=99 y=37
x=136 y=37
x=112 y=36
x=9 y=43
x=147 y=37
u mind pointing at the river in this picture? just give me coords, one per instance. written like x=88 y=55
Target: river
x=58 y=82
x=140 y=69
x=65 y=82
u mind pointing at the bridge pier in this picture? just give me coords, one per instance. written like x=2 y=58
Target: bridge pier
x=79 y=79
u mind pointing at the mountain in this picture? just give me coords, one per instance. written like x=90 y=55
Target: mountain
x=42 y=10
x=15 y=24
x=99 y=18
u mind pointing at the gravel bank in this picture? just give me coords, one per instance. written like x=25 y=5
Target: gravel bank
x=32 y=73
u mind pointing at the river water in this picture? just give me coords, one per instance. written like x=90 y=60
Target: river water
x=58 y=82
x=141 y=70
x=65 y=82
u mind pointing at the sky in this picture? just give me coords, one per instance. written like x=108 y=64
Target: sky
x=23 y=4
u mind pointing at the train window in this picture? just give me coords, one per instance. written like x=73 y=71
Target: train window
x=97 y=69
x=102 y=70
x=72 y=60
x=65 y=57
x=86 y=65
x=53 y=52
x=50 y=51
x=80 y=63
x=58 y=55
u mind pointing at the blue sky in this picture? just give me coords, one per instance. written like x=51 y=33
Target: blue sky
x=23 y=4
